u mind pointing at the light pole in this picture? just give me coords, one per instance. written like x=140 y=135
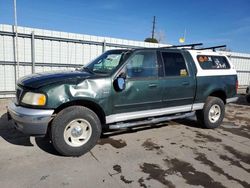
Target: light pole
x=16 y=42
x=153 y=29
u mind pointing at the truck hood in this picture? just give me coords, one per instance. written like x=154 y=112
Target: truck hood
x=42 y=79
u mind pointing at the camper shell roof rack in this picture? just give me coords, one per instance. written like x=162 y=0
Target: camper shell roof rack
x=213 y=47
x=192 y=46
x=186 y=46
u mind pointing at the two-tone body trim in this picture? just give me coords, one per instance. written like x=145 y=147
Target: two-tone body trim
x=197 y=106
x=157 y=112
x=233 y=99
x=151 y=113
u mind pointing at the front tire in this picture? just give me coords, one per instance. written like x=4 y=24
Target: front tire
x=212 y=114
x=75 y=131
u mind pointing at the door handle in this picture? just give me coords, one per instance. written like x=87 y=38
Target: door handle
x=185 y=83
x=152 y=85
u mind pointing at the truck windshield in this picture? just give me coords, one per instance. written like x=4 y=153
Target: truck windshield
x=107 y=62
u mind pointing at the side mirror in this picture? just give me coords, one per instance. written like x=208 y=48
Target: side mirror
x=119 y=83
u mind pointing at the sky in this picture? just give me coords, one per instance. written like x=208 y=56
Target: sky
x=212 y=22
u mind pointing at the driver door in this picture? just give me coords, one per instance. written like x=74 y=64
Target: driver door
x=143 y=91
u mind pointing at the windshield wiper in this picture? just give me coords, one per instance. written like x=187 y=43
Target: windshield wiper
x=88 y=70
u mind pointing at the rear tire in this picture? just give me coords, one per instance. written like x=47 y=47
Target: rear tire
x=75 y=131
x=248 y=98
x=212 y=114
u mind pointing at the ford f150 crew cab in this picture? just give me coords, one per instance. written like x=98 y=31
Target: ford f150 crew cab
x=124 y=88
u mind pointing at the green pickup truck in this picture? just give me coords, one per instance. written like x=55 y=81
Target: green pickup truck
x=124 y=88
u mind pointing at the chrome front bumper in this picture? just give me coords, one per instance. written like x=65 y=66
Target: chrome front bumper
x=30 y=121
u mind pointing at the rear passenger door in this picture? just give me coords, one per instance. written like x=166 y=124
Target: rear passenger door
x=178 y=82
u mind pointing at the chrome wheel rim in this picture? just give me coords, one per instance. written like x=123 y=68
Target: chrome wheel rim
x=77 y=132
x=214 y=113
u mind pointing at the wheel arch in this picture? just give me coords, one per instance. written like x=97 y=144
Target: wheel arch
x=220 y=94
x=86 y=103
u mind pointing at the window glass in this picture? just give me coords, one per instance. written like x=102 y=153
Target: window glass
x=174 y=64
x=107 y=64
x=213 y=62
x=142 y=64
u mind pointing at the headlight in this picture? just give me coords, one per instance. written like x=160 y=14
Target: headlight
x=36 y=99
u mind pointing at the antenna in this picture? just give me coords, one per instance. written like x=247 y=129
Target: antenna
x=213 y=47
x=185 y=45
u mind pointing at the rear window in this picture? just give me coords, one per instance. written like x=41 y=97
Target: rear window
x=213 y=62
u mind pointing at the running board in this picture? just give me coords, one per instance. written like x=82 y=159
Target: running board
x=150 y=121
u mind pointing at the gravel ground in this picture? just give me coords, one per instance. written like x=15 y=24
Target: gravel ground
x=172 y=154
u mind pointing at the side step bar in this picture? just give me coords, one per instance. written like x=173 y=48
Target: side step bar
x=149 y=121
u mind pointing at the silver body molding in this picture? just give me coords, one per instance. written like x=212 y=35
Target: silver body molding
x=158 y=112
x=30 y=121
x=233 y=99
x=198 y=106
x=151 y=113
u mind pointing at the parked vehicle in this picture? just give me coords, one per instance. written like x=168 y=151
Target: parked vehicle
x=121 y=89
x=248 y=94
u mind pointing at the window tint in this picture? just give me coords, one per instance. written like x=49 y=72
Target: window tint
x=174 y=64
x=142 y=64
x=213 y=62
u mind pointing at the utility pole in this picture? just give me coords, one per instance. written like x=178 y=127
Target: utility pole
x=16 y=41
x=153 y=30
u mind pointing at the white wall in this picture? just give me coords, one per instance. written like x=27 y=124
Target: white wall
x=241 y=61
x=50 y=54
